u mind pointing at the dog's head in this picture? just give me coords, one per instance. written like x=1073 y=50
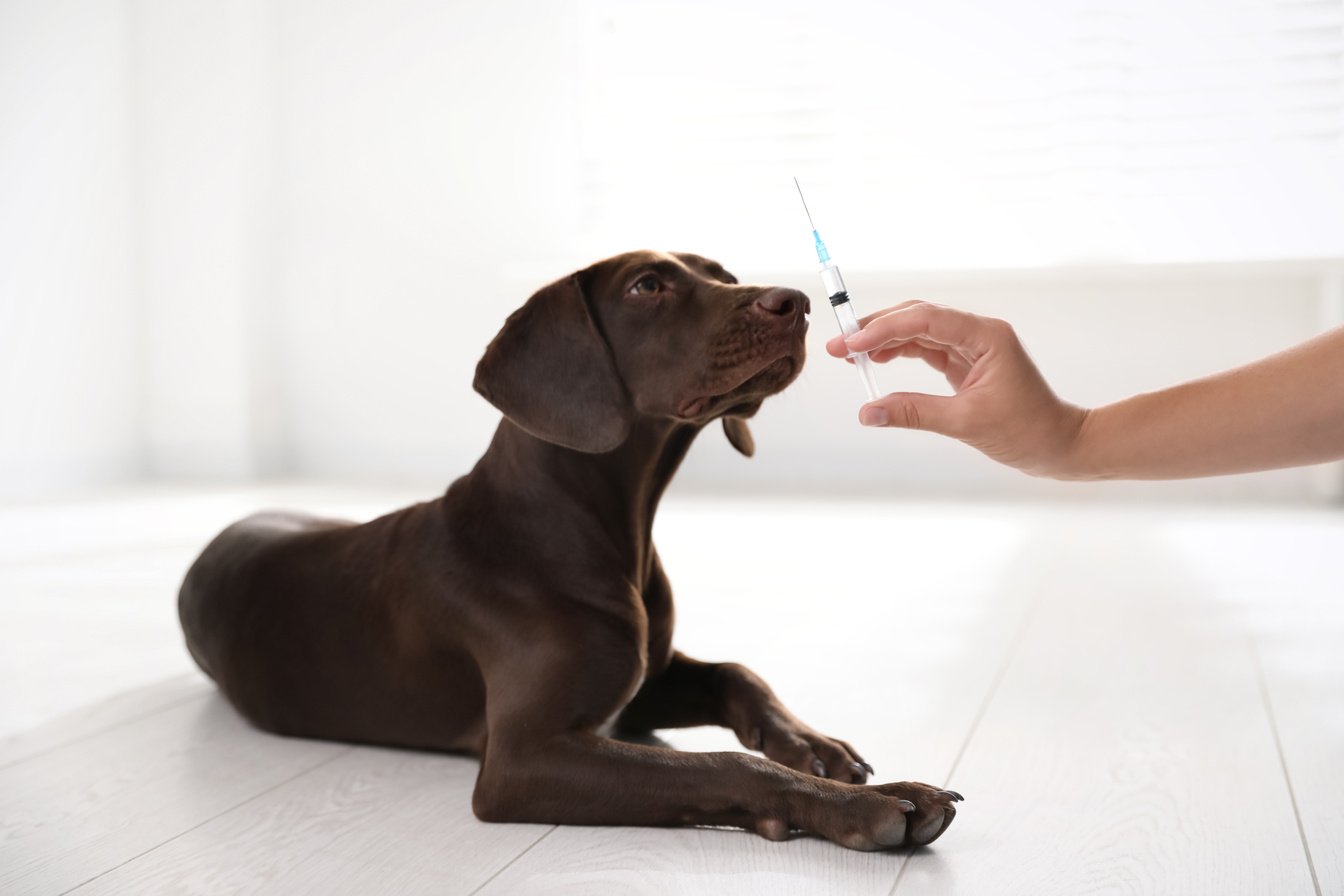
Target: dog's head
x=644 y=334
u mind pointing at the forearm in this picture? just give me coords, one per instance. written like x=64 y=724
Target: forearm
x=1285 y=410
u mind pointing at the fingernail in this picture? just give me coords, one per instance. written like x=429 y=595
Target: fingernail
x=873 y=417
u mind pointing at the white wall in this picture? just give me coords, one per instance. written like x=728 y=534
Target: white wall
x=70 y=379
x=204 y=143
x=425 y=152
x=271 y=238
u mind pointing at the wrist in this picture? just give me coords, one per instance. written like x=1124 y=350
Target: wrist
x=1080 y=460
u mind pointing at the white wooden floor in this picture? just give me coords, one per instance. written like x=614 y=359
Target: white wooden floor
x=1132 y=701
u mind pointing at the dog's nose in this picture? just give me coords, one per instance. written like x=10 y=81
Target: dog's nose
x=780 y=301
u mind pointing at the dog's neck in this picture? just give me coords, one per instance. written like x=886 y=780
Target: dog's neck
x=619 y=489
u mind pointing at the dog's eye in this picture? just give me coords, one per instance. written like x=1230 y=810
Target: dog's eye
x=646 y=286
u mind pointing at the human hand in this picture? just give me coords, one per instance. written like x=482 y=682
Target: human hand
x=1003 y=407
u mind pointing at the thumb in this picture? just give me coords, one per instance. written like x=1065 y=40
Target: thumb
x=910 y=410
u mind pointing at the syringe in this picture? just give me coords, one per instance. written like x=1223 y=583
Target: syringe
x=840 y=304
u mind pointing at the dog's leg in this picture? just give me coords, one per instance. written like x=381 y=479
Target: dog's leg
x=545 y=762
x=583 y=778
x=689 y=692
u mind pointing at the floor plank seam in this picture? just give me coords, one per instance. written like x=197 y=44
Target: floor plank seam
x=1008 y=656
x=104 y=730
x=509 y=863
x=1283 y=764
x=202 y=823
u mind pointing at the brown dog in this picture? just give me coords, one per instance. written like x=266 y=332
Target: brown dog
x=524 y=615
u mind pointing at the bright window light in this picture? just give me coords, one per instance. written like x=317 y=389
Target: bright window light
x=967 y=134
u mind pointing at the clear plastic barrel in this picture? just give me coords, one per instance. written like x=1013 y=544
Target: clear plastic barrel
x=831 y=280
x=849 y=325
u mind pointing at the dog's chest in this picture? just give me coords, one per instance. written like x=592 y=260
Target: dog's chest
x=656 y=651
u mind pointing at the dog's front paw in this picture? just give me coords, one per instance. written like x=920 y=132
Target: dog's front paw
x=885 y=816
x=933 y=812
x=763 y=724
x=802 y=749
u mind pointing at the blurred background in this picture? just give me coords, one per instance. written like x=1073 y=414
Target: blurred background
x=256 y=241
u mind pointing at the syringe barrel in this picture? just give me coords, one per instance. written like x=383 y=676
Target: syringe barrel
x=833 y=283
x=849 y=325
x=844 y=315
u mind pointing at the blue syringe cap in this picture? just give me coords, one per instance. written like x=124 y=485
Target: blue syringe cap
x=822 y=255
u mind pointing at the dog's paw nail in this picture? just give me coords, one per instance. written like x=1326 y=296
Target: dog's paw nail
x=866 y=767
x=950 y=795
x=857 y=769
x=818 y=768
x=905 y=806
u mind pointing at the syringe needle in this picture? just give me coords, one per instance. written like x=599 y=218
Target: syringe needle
x=810 y=225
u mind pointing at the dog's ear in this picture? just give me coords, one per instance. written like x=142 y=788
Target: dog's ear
x=550 y=371
x=739 y=434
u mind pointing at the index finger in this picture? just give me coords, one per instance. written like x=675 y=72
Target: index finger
x=908 y=303
x=836 y=346
x=968 y=333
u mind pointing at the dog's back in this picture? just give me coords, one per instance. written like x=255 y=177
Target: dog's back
x=290 y=615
